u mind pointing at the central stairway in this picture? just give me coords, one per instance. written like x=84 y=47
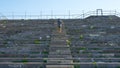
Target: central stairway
x=59 y=51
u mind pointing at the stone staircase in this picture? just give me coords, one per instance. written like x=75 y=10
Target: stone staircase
x=59 y=50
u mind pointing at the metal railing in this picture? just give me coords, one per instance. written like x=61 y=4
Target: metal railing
x=95 y=13
x=67 y=16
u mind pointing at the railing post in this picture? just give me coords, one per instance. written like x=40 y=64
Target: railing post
x=51 y=14
x=69 y=14
x=25 y=14
x=115 y=12
x=99 y=10
x=40 y=14
x=83 y=14
x=12 y=15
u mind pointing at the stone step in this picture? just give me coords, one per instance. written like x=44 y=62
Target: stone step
x=54 y=45
x=59 y=38
x=58 y=43
x=59 y=66
x=59 y=56
x=58 y=61
x=58 y=50
x=60 y=53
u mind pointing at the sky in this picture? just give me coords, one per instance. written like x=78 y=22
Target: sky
x=56 y=6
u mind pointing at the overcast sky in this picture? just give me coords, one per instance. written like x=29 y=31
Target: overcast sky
x=56 y=6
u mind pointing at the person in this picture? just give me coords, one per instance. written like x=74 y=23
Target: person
x=59 y=24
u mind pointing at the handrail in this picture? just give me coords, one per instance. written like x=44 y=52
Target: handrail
x=64 y=16
x=94 y=13
x=2 y=16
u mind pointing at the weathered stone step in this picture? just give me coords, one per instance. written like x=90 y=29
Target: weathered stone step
x=59 y=56
x=58 y=45
x=58 y=61
x=60 y=53
x=59 y=40
x=59 y=66
x=59 y=48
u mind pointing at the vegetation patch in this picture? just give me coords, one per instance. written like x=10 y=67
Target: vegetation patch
x=37 y=41
x=68 y=42
x=45 y=52
x=81 y=37
x=23 y=61
x=45 y=61
x=82 y=48
x=2 y=52
x=76 y=66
